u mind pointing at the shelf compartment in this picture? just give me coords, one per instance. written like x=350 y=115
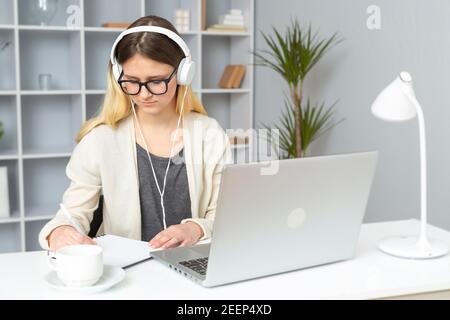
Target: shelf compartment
x=216 y=8
x=61 y=18
x=10 y=237
x=229 y=109
x=38 y=173
x=50 y=123
x=241 y=116
x=97 y=12
x=7 y=61
x=93 y=104
x=217 y=53
x=98 y=49
x=166 y=9
x=8 y=116
x=32 y=230
x=218 y=107
x=13 y=187
x=65 y=49
x=6 y=12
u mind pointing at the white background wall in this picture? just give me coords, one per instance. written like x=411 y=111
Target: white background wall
x=414 y=36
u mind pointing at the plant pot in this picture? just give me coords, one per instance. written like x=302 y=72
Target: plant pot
x=4 y=194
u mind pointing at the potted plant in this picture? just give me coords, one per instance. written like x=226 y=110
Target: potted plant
x=4 y=194
x=293 y=56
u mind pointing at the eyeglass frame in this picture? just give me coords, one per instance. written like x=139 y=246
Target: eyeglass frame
x=144 y=84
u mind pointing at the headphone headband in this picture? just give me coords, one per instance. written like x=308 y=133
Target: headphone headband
x=169 y=33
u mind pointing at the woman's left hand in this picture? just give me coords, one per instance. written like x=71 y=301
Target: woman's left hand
x=185 y=234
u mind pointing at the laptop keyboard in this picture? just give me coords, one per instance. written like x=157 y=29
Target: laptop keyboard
x=198 y=265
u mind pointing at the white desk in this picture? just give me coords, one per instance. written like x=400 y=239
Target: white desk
x=370 y=275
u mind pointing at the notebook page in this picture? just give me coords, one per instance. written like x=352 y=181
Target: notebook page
x=122 y=252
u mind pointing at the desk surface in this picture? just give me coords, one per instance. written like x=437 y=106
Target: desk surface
x=371 y=274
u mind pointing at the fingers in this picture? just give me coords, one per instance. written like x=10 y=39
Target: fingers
x=160 y=239
x=176 y=235
x=171 y=243
x=167 y=238
x=71 y=238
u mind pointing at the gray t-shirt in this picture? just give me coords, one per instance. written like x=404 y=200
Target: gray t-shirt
x=177 y=202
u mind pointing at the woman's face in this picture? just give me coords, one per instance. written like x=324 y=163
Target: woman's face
x=142 y=69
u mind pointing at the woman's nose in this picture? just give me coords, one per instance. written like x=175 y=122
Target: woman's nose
x=145 y=93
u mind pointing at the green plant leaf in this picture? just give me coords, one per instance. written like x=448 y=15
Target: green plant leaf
x=295 y=54
x=1 y=130
x=316 y=120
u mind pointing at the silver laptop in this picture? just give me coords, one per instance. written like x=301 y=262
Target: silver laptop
x=307 y=214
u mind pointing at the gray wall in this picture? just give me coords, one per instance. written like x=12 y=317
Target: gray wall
x=414 y=36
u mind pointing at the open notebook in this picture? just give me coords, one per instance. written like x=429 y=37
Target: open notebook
x=123 y=252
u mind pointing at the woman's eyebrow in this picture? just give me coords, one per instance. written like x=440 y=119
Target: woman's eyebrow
x=148 y=78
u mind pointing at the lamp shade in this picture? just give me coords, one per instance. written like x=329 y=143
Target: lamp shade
x=395 y=102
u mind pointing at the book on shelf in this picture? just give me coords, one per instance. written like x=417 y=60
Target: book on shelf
x=233 y=17
x=232 y=20
x=238 y=76
x=226 y=28
x=233 y=23
x=203 y=26
x=226 y=75
x=232 y=76
x=122 y=25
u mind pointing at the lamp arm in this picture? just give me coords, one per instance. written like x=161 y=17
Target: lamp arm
x=423 y=240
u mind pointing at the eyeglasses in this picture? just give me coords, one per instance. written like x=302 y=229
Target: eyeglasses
x=156 y=87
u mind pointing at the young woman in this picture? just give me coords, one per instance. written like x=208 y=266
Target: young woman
x=159 y=184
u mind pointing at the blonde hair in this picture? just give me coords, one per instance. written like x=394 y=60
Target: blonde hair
x=117 y=106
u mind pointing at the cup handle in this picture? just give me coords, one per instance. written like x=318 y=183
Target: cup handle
x=52 y=261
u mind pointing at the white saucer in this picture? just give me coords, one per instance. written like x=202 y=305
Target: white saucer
x=111 y=276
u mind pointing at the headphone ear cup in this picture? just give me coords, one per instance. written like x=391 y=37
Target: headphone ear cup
x=117 y=70
x=186 y=72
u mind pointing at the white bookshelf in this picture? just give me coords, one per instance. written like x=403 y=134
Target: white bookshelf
x=40 y=126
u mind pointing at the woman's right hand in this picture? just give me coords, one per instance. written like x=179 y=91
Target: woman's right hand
x=65 y=236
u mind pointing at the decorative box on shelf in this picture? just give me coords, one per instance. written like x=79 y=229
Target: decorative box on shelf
x=182 y=20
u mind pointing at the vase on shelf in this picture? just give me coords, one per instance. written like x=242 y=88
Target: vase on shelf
x=43 y=11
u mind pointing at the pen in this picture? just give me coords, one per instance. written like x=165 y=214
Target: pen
x=72 y=221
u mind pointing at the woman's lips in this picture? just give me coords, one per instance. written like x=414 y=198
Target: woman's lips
x=148 y=103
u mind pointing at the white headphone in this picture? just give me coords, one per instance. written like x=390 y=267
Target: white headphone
x=186 y=68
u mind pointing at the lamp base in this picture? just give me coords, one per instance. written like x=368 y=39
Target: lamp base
x=407 y=247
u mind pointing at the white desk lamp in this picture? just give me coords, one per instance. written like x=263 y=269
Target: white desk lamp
x=397 y=102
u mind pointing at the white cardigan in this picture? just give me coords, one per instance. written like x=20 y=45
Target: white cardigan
x=105 y=159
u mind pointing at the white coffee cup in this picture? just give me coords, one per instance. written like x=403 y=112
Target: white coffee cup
x=78 y=265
